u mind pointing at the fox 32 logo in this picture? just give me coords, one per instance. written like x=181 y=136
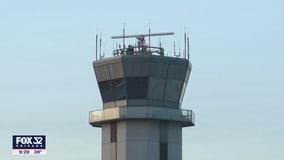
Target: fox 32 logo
x=29 y=144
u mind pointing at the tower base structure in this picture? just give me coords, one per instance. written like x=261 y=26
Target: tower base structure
x=142 y=140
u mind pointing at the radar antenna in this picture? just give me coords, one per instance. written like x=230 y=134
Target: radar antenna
x=142 y=48
x=143 y=35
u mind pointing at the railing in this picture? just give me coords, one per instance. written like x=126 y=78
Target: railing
x=186 y=117
x=137 y=50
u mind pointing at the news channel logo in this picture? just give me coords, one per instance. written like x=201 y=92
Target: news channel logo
x=29 y=144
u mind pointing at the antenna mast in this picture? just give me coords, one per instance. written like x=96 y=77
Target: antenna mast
x=123 y=36
x=177 y=55
x=97 y=45
x=184 y=44
x=103 y=55
x=179 y=49
x=174 y=48
x=100 y=44
x=187 y=47
x=149 y=34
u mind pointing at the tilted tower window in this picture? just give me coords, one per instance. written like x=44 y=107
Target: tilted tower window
x=118 y=86
x=112 y=90
x=137 y=87
x=106 y=91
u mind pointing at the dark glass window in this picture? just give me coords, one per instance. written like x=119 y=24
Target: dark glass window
x=163 y=129
x=163 y=151
x=113 y=131
x=112 y=90
x=137 y=87
x=119 y=88
x=173 y=90
x=106 y=91
x=156 y=88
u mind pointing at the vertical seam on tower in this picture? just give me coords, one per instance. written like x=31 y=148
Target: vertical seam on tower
x=166 y=80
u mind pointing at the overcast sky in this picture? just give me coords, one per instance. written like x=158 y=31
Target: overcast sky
x=48 y=86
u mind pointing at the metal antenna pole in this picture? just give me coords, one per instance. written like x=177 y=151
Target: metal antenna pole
x=184 y=44
x=188 y=48
x=97 y=46
x=149 y=35
x=175 y=49
x=100 y=44
x=123 y=36
x=179 y=49
x=104 y=51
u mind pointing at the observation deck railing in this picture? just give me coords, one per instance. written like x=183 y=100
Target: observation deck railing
x=137 y=50
x=183 y=116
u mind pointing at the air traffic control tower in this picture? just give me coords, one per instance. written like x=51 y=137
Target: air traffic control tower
x=142 y=91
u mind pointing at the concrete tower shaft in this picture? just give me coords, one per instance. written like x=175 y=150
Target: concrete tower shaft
x=142 y=117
